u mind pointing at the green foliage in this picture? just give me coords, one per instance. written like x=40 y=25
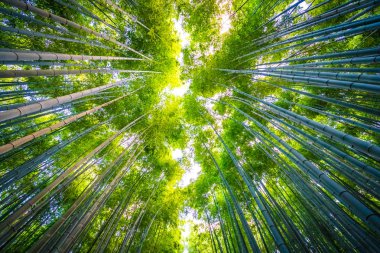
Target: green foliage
x=109 y=181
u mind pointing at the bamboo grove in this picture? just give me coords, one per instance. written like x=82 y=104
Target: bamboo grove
x=276 y=102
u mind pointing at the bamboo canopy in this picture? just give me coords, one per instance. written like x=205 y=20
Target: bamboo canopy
x=189 y=126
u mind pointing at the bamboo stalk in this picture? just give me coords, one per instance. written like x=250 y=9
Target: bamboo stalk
x=25 y=55
x=50 y=103
x=24 y=6
x=19 y=142
x=53 y=72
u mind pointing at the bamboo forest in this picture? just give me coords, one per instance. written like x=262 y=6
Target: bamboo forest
x=190 y=126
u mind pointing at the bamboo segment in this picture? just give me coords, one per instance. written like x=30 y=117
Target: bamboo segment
x=316 y=80
x=339 y=76
x=342 y=10
x=53 y=72
x=252 y=240
x=340 y=192
x=322 y=69
x=32 y=204
x=348 y=53
x=47 y=104
x=24 y=6
x=39 y=245
x=17 y=55
x=363 y=146
x=79 y=8
x=19 y=142
x=134 y=19
x=331 y=29
x=349 y=171
x=44 y=35
x=355 y=60
x=276 y=234
x=41 y=23
x=349 y=32
x=327 y=99
x=69 y=237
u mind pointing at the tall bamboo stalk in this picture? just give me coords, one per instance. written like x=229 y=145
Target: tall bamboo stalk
x=25 y=6
x=49 y=103
x=26 y=55
x=21 y=141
